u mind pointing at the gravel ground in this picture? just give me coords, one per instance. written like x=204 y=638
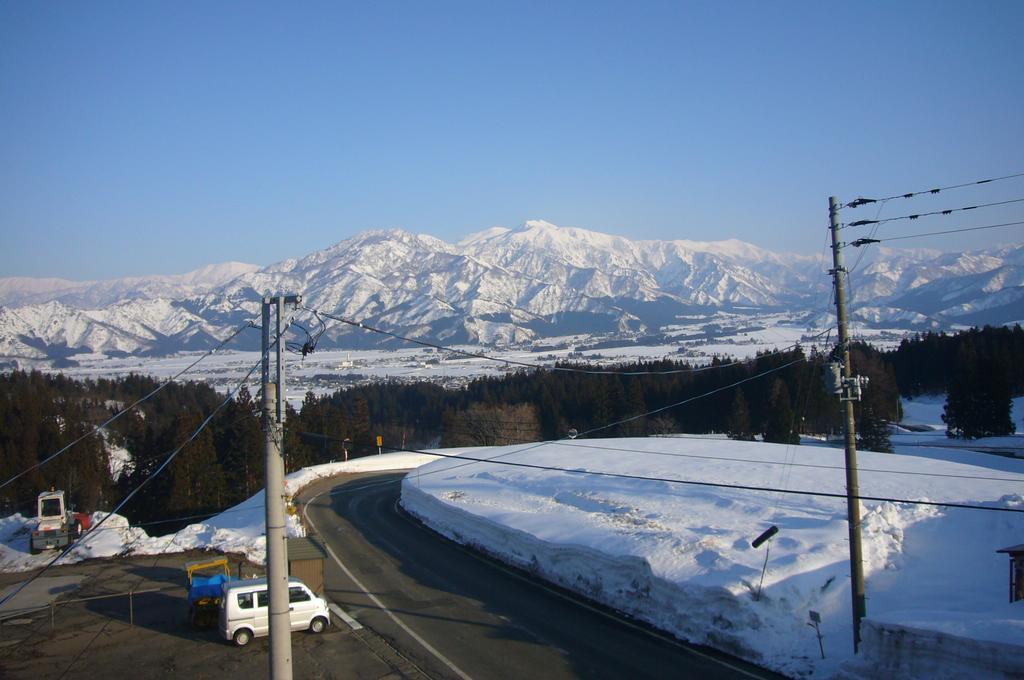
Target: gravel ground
x=95 y=638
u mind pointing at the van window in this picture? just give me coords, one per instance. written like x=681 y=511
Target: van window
x=245 y=600
x=262 y=599
x=298 y=594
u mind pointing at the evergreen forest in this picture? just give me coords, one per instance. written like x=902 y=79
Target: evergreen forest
x=775 y=397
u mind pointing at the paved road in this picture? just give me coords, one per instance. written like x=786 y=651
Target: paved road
x=453 y=614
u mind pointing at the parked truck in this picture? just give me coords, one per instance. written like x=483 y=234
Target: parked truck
x=56 y=525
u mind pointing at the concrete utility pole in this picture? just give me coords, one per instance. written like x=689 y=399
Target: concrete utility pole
x=850 y=392
x=277 y=548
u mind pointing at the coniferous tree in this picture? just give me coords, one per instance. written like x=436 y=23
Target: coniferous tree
x=739 y=418
x=359 y=425
x=197 y=481
x=662 y=424
x=779 y=426
x=634 y=406
x=873 y=431
x=297 y=452
x=978 y=398
x=879 y=404
x=239 y=443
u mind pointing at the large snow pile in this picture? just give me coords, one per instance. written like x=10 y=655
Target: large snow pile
x=239 y=529
x=679 y=555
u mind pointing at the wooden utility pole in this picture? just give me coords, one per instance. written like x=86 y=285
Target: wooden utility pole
x=849 y=393
x=274 y=496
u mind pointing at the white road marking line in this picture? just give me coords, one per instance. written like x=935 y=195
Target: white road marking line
x=666 y=638
x=423 y=643
x=344 y=616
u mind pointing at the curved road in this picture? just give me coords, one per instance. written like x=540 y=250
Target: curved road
x=454 y=614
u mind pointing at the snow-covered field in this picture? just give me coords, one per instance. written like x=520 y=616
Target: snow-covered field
x=327 y=371
x=679 y=555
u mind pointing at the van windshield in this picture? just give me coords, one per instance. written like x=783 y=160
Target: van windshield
x=50 y=507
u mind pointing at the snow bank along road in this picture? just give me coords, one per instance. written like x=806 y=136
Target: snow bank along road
x=456 y=615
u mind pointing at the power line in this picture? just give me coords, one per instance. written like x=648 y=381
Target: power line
x=694 y=398
x=171 y=520
x=865 y=201
x=512 y=426
x=867 y=241
x=525 y=364
x=117 y=415
x=136 y=460
x=948 y=211
x=691 y=437
x=788 y=463
x=648 y=413
x=692 y=482
x=138 y=488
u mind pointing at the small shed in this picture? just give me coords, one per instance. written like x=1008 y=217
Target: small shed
x=1016 y=553
x=306 y=561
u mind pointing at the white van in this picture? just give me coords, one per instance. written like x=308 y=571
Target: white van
x=245 y=606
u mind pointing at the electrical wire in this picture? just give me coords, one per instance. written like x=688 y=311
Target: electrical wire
x=791 y=447
x=136 y=460
x=948 y=211
x=170 y=520
x=865 y=201
x=136 y=490
x=693 y=482
x=860 y=254
x=694 y=398
x=248 y=324
x=642 y=415
x=867 y=241
x=98 y=526
x=793 y=464
x=788 y=462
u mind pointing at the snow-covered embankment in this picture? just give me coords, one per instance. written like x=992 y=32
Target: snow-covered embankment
x=679 y=556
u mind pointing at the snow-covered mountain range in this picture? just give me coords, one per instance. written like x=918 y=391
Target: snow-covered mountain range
x=505 y=286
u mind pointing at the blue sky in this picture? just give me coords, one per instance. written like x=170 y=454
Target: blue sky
x=142 y=138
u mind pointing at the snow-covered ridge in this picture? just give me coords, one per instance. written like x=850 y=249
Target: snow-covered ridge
x=507 y=286
x=16 y=291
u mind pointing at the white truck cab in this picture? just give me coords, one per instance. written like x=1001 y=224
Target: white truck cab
x=56 y=525
x=245 y=610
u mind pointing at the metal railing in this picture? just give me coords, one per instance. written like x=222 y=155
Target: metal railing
x=10 y=614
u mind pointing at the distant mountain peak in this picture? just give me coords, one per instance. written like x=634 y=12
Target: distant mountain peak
x=539 y=224
x=505 y=285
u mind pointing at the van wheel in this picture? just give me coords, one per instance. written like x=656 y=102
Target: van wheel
x=242 y=637
x=78 y=529
x=317 y=625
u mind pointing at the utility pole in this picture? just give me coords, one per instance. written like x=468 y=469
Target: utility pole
x=277 y=548
x=850 y=392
